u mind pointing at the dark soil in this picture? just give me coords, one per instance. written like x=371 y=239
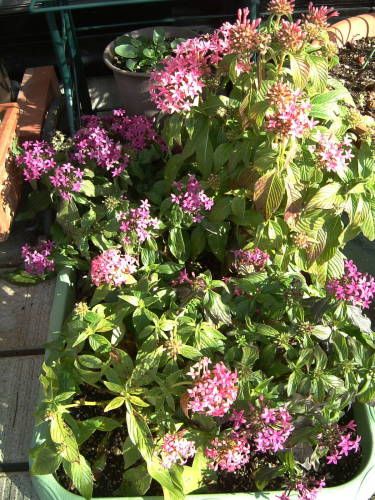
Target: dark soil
x=358 y=79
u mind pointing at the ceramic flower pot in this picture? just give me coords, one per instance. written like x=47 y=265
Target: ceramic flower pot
x=10 y=176
x=361 y=487
x=353 y=28
x=133 y=87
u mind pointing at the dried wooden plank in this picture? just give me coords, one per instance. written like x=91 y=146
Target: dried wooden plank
x=16 y=486
x=19 y=389
x=24 y=313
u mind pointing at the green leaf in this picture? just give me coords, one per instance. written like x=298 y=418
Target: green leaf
x=326 y=198
x=197 y=241
x=176 y=243
x=318 y=72
x=139 y=433
x=136 y=482
x=217 y=238
x=172 y=488
x=127 y=51
x=146 y=366
x=222 y=155
x=89 y=361
x=299 y=70
x=88 y=188
x=358 y=319
x=268 y=193
x=131 y=453
x=80 y=473
x=321 y=332
x=115 y=403
x=203 y=146
x=158 y=35
x=215 y=309
x=45 y=459
x=187 y=351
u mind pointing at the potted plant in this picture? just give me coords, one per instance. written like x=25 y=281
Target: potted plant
x=219 y=343
x=133 y=55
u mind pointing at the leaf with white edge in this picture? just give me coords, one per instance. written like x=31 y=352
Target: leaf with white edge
x=358 y=319
x=215 y=309
x=321 y=332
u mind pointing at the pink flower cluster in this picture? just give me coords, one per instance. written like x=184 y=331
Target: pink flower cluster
x=37 y=260
x=192 y=199
x=214 y=390
x=66 y=179
x=93 y=143
x=37 y=159
x=176 y=449
x=137 y=131
x=330 y=154
x=229 y=453
x=354 y=287
x=281 y=7
x=267 y=428
x=250 y=260
x=309 y=488
x=137 y=222
x=112 y=268
x=291 y=35
x=341 y=440
x=290 y=115
x=179 y=84
x=320 y=15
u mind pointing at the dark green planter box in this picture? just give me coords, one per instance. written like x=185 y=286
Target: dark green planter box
x=361 y=487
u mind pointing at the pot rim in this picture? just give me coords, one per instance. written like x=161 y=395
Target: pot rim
x=108 y=51
x=352 y=28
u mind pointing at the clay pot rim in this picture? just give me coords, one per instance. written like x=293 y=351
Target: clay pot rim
x=352 y=28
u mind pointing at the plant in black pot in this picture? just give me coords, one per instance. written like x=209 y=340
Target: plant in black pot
x=133 y=55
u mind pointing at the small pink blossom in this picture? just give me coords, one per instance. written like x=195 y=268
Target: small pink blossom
x=66 y=179
x=320 y=15
x=228 y=453
x=281 y=7
x=137 y=223
x=340 y=440
x=290 y=35
x=137 y=131
x=250 y=260
x=37 y=260
x=354 y=287
x=192 y=199
x=112 y=268
x=214 y=390
x=309 y=488
x=330 y=154
x=176 y=449
x=37 y=159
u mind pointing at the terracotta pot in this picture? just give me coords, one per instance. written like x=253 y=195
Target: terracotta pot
x=353 y=28
x=132 y=86
x=10 y=176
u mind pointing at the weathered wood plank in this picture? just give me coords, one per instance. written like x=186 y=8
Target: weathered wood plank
x=24 y=314
x=16 y=486
x=19 y=389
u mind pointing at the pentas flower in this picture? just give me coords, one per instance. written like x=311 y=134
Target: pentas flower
x=319 y=15
x=330 y=154
x=94 y=144
x=137 y=223
x=250 y=260
x=290 y=35
x=267 y=429
x=66 y=179
x=36 y=159
x=340 y=441
x=290 y=115
x=179 y=84
x=38 y=260
x=176 y=449
x=138 y=131
x=112 y=268
x=309 y=488
x=281 y=7
x=192 y=199
x=214 y=390
x=228 y=453
x=354 y=287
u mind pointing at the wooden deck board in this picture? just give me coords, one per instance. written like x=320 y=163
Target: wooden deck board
x=19 y=389
x=24 y=315
x=16 y=486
